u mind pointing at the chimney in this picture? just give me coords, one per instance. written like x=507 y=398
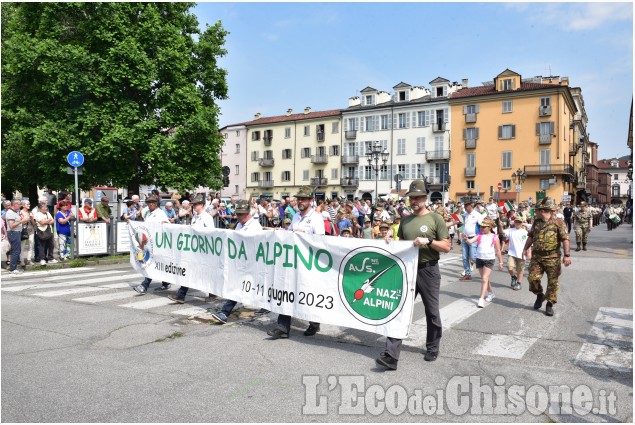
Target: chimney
x=464 y=83
x=289 y=111
x=307 y=109
x=257 y=116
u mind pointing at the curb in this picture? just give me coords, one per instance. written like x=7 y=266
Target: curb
x=68 y=264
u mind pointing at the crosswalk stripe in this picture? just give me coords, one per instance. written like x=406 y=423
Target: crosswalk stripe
x=69 y=291
x=192 y=311
x=65 y=277
x=44 y=272
x=509 y=346
x=106 y=297
x=611 y=341
x=69 y=283
x=151 y=303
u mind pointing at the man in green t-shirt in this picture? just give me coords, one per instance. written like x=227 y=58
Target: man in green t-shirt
x=430 y=235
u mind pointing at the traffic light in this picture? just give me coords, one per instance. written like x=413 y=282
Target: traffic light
x=225 y=181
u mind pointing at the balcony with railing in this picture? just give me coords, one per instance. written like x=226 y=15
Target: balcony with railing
x=265 y=183
x=549 y=169
x=438 y=127
x=350 y=134
x=470 y=118
x=319 y=181
x=350 y=159
x=349 y=182
x=470 y=172
x=266 y=162
x=544 y=111
x=470 y=143
x=545 y=139
x=437 y=155
x=319 y=159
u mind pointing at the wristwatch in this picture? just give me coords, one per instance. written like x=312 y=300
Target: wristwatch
x=567 y=255
x=430 y=242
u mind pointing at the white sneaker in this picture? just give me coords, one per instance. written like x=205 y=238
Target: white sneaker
x=42 y=262
x=490 y=296
x=472 y=266
x=53 y=261
x=463 y=273
x=481 y=303
x=16 y=271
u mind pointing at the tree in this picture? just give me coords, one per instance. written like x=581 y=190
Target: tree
x=133 y=86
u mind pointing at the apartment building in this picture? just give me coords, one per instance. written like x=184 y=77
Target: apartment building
x=618 y=181
x=411 y=126
x=233 y=156
x=288 y=151
x=512 y=124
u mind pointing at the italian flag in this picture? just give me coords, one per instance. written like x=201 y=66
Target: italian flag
x=506 y=205
x=458 y=217
x=531 y=213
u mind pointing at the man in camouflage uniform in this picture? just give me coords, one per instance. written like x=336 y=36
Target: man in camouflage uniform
x=546 y=235
x=443 y=212
x=583 y=220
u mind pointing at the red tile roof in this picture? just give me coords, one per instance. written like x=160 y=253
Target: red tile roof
x=606 y=164
x=295 y=117
x=491 y=89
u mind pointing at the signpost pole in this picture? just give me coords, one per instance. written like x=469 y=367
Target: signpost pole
x=76 y=227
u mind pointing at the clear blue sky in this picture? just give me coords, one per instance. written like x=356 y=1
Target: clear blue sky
x=294 y=55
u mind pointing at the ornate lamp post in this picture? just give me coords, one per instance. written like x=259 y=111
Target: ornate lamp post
x=519 y=178
x=373 y=156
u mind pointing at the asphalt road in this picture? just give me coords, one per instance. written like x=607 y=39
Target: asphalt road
x=78 y=345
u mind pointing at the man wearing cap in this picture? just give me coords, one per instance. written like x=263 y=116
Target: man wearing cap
x=154 y=215
x=546 y=235
x=87 y=214
x=430 y=236
x=517 y=236
x=246 y=224
x=103 y=209
x=492 y=209
x=471 y=220
x=307 y=221
x=583 y=220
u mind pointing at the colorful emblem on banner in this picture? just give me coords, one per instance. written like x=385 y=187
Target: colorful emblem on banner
x=142 y=246
x=373 y=285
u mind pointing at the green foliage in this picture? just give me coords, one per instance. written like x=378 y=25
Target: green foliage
x=133 y=86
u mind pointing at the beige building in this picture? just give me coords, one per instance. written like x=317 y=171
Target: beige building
x=293 y=150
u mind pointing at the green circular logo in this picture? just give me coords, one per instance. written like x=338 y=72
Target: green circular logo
x=373 y=285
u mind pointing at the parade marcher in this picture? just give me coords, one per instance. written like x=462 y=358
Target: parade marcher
x=308 y=221
x=14 y=231
x=103 y=210
x=201 y=220
x=608 y=212
x=517 y=236
x=487 y=250
x=430 y=235
x=155 y=215
x=248 y=225
x=568 y=215
x=503 y=223
x=492 y=209
x=471 y=220
x=546 y=235
x=583 y=220
x=63 y=228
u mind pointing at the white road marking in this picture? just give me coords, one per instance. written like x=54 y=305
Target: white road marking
x=509 y=346
x=69 y=283
x=613 y=331
x=106 y=297
x=65 y=277
x=119 y=285
x=69 y=291
x=8 y=277
x=151 y=303
x=190 y=311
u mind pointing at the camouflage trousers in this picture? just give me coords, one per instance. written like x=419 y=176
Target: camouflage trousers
x=581 y=234
x=552 y=267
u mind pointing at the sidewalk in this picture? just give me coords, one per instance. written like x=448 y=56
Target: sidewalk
x=104 y=261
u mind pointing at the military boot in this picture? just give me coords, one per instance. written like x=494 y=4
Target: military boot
x=578 y=248
x=539 y=300
x=549 y=309
x=583 y=247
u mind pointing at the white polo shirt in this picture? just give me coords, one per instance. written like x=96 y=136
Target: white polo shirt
x=156 y=216
x=471 y=219
x=252 y=225
x=312 y=223
x=203 y=220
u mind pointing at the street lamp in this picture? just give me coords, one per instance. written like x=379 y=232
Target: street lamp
x=373 y=156
x=519 y=178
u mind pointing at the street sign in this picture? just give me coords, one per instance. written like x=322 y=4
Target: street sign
x=71 y=170
x=75 y=159
x=398 y=178
x=226 y=170
x=519 y=188
x=500 y=186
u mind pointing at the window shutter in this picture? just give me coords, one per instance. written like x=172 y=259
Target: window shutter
x=513 y=84
x=427 y=118
x=465 y=110
x=476 y=133
x=445 y=91
x=465 y=134
x=513 y=131
x=537 y=129
x=476 y=108
x=407 y=120
x=395 y=121
x=389 y=119
x=446 y=115
x=346 y=125
x=552 y=127
x=413 y=171
x=376 y=120
x=500 y=85
x=361 y=124
x=500 y=131
x=414 y=119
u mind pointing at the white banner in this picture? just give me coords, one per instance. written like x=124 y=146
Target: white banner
x=356 y=283
x=92 y=238
x=123 y=237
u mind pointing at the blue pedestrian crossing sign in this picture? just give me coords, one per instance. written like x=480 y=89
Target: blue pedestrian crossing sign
x=75 y=159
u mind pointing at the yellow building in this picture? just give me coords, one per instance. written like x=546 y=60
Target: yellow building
x=293 y=150
x=508 y=125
